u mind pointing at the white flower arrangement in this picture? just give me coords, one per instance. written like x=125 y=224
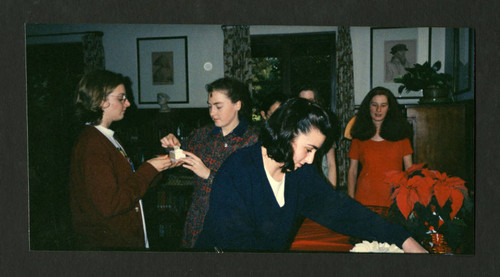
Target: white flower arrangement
x=376 y=247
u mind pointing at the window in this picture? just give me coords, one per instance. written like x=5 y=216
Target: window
x=284 y=63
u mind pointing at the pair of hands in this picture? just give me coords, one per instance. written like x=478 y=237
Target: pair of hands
x=191 y=162
x=163 y=162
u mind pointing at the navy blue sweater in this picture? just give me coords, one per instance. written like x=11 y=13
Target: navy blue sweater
x=244 y=214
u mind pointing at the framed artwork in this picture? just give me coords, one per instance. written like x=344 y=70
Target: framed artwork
x=162 y=67
x=394 y=49
x=462 y=60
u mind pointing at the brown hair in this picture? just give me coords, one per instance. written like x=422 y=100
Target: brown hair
x=92 y=90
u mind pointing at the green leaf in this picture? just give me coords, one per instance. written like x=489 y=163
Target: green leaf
x=401 y=88
x=436 y=66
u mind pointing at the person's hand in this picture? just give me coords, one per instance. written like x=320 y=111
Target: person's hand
x=163 y=162
x=170 y=141
x=412 y=246
x=195 y=164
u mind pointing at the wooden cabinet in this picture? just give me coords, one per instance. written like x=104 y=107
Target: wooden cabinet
x=443 y=138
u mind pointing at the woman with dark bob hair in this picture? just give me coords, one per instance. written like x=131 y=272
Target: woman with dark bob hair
x=380 y=142
x=260 y=192
x=325 y=161
x=106 y=190
x=207 y=147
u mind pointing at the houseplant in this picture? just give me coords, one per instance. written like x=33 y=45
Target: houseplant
x=431 y=205
x=435 y=86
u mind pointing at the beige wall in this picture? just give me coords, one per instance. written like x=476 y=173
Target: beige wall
x=205 y=44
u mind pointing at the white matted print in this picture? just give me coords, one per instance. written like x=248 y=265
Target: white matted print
x=162 y=68
x=393 y=49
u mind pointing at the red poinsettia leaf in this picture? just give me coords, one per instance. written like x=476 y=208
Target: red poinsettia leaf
x=431 y=173
x=460 y=187
x=444 y=175
x=427 y=173
x=438 y=175
x=442 y=192
x=413 y=181
x=457 y=199
x=458 y=184
x=395 y=193
x=402 y=199
x=424 y=189
x=413 y=198
x=455 y=181
x=396 y=178
x=415 y=167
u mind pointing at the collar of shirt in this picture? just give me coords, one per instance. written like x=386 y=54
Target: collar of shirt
x=107 y=132
x=110 y=134
x=238 y=131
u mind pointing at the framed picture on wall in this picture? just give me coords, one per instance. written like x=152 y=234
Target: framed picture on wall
x=162 y=68
x=394 y=49
x=462 y=60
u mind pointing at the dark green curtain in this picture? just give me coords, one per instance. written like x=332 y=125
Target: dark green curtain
x=345 y=99
x=93 y=51
x=237 y=53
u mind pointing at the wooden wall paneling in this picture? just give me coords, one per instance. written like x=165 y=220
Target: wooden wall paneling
x=440 y=138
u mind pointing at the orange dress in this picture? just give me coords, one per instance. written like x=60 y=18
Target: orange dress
x=377 y=158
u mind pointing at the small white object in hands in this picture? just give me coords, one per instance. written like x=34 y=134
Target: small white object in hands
x=376 y=247
x=176 y=154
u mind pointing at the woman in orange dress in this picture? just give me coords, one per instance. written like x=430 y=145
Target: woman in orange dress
x=380 y=143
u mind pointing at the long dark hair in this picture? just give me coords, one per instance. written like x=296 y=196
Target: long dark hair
x=293 y=117
x=394 y=127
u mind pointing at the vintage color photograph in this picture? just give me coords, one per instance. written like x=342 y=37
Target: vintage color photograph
x=290 y=141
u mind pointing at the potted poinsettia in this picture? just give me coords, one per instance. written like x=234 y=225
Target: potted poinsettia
x=427 y=202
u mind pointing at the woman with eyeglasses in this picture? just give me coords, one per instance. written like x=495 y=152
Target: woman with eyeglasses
x=106 y=189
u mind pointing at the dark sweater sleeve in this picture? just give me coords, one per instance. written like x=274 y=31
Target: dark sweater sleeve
x=342 y=214
x=228 y=224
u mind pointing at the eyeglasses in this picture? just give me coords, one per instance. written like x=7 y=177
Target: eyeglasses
x=122 y=98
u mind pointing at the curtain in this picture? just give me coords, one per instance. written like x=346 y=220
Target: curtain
x=237 y=54
x=93 y=52
x=345 y=99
